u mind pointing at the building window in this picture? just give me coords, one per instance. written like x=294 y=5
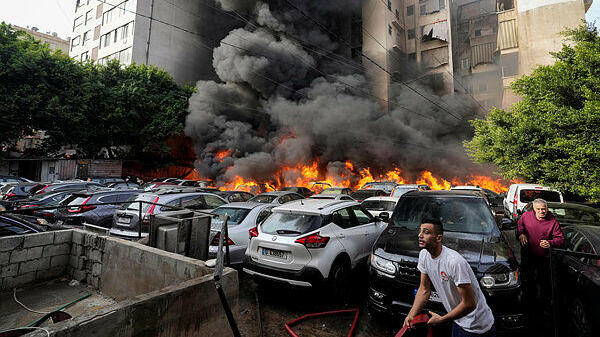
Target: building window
x=86 y=37
x=75 y=42
x=389 y=29
x=423 y=10
x=465 y=63
x=85 y=56
x=410 y=10
x=442 y=4
x=411 y=34
x=88 y=16
x=477 y=32
x=78 y=22
x=389 y=4
x=397 y=15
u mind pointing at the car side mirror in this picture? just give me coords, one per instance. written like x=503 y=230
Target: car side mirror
x=507 y=224
x=384 y=216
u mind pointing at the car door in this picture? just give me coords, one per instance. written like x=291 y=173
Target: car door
x=370 y=227
x=350 y=235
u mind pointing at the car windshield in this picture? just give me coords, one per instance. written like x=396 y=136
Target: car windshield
x=468 y=215
x=135 y=206
x=379 y=205
x=362 y=195
x=265 y=199
x=291 y=224
x=530 y=195
x=567 y=214
x=399 y=191
x=332 y=191
x=236 y=215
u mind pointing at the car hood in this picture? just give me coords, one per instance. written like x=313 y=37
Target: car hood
x=482 y=251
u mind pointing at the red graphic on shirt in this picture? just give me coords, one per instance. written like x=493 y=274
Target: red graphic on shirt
x=444 y=275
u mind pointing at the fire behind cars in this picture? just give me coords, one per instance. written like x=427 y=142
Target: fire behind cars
x=470 y=229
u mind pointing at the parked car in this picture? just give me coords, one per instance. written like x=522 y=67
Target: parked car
x=311 y=242
x=387 y=186
x=7 y=178
x=232 y=196
x=124 y=186
x=361 y=195
x=126 y=219
x=19 y=191
x=154 y=185
x=332 y=197
x=51 y=199
x=519 y=195
x=579 y=282
x=277 y=197
x=571 y=214
x=11 y=224
x=471 y=230
x=70 y=186
x=337 y=190
x=242 y=217
x=303 y=191
x=401 y=189
x=494 y=199
x=106 y=180
x=83 y=208
x=378 y=205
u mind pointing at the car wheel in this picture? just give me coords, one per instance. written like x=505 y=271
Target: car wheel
x=338 y=279
x=579 y=319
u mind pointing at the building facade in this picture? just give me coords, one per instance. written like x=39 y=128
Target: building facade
x=469 y=46
x=52 y=39
x=175 y=35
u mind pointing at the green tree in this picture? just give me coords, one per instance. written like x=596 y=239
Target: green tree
x=552 y=136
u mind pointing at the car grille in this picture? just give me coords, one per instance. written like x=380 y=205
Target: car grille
x=407 y=271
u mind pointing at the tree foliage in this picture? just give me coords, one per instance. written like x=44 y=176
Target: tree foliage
x=127 y=111
x=552 y=136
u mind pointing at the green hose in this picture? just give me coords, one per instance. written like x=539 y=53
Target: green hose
x=63 y=307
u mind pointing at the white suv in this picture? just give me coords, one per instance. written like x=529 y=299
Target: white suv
x=306 y=242
x=519 y=195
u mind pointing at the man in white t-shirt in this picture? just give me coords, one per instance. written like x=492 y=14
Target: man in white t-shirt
x=455 y=283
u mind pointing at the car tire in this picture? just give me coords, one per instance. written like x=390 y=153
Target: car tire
x=337 y=282
x=579 y=320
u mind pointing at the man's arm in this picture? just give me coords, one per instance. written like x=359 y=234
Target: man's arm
x=521 y=230
x=466 y=305
x=558 y=237
x=421 y=298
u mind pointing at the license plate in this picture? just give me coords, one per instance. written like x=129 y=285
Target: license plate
x=124 y=220
x=434 y=297
x=272 y=252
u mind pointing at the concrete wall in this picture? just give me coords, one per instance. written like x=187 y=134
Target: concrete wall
x=36 y=257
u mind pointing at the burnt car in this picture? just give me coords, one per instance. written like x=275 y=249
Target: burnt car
x=469 y=228
x=579 y=282
x=231 y=196
x=303 y=191
x=95 y=208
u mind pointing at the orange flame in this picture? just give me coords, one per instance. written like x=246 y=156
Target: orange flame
x=222 y=155
x=427 y=178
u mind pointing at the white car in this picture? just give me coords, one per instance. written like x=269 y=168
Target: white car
x=378 y=205
x=311 y=242
x=399 y=190
x=466 y=188
x=332 y=197
x=519 y=195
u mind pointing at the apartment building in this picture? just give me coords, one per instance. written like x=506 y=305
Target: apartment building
x=473 y=46
x=51 y=38
x=174 y=35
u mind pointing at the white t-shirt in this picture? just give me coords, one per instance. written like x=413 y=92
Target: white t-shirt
x=446 y=272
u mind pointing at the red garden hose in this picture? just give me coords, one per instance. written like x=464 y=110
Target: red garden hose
x=419 y=319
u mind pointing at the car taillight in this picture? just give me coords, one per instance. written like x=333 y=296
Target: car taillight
x=151 y=209
x=145 y=220
x=215 y=241
x=82 y=208
x=253 y=232
x=515 y=202
x=10 y=194
x=26 y=206
x=313 y=241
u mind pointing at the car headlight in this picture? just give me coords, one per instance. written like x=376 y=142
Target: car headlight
x=501 y=280
x=383 y=265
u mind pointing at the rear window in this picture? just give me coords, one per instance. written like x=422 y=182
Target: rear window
x=361 y=195
x=399 y=191
x=575 y=215
x=236 y=215
x=135 y=206
x=291 y=224
x=379 y=205
x=332 y=191
x=265 y=199
x=530 y=195
x=78 y=200
x=467 y=215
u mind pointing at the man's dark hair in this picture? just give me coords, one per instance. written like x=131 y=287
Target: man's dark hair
x=437 y=224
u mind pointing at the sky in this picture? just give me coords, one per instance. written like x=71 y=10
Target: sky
x=57 y=15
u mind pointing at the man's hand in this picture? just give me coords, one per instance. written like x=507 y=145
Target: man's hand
x=523 y=239
x=544 y=244
x=407 y=320
x=435 y=319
